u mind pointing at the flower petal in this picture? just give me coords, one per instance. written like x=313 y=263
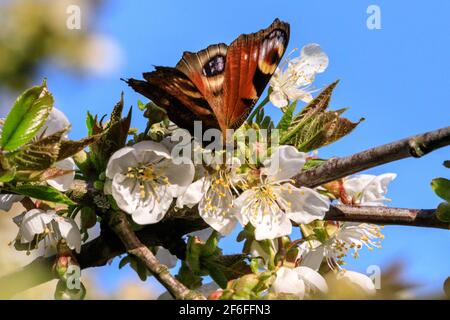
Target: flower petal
x=360 y=280
x=63 y=183
x=70 y=232
x=284 y=163
x=120 y=161
x=180 y=175
x=146 y=209
x=287 y=281
x=313 y=280
x=55 y=122
x=278 y=98
x=33 y=223
x=192 y=194
x=215 y=209
x=302 y=205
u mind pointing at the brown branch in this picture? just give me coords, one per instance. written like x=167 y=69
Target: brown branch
x=387 y=216
x=336 y=168
x=100 y=250
x=122 y=227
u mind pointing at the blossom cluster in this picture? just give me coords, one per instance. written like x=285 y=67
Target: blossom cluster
x=147 y=179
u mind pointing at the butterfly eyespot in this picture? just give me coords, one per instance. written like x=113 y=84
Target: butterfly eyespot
x=215 y=66
x=272 y=50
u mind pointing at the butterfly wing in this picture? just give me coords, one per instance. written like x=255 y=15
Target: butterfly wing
x=172 y=90
x=251 y=61
x=218 y=85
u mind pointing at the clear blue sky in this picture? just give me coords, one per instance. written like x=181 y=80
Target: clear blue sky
x=396 y=77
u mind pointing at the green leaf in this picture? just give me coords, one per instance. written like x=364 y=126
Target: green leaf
x=90 y=121
x=154 y=114
x=114 y=137
x=37 y=155
x=141 y=105
x=7 y=176
x=447 y=164
x=125 y=260
x=43 y=193
x=216 y=274
x=69 y=148
x=7 y=172
x=286 y=120
x=441 y=187
x=443 y=212
x=27 y=116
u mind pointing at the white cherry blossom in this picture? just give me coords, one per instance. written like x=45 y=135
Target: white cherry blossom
x=294 y=83
x=49 y=228
x=214 y=194
x=145 y=180
x=270 y=205
x=347 y=237
x=299 y=281
x=368 y=190
x=359 y=281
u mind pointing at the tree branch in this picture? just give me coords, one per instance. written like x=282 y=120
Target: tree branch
x=336 y=168
x=387 y=216
x=119 y=223
x=106 y=247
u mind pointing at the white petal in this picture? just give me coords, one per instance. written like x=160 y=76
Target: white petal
x=63 y=183
x=355 y=185
x=120 y=161
x=284 y=163
x=165 y=257
x=311 y=254
x=312 y=279
x=55 y=122
x=278 y=99
x=192 y=194
x=368 y=189
x=144 y=210
x=314 y=60
x=7 y=201
x=304 y=205
x=374 y=192
x=268 y=228
x=360 y=280
x=148 y=152
x=215 y=209
x=287 y=281
x=70 y=232
x=179 y=175
x=33 y=223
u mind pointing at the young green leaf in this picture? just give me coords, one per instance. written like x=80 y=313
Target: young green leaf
x=90 y=121
x=69 y=148
x=38 y=155
x=443 y=212
x=441 y=187
x=27 y=116
x=43 y=193
x=286 y=119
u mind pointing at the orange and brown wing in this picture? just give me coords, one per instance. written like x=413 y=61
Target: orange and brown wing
x=251 y=61
x=172 y=90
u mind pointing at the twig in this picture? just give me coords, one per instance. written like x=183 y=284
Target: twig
x=387 y=216
x=335 y=168
x=134 y=246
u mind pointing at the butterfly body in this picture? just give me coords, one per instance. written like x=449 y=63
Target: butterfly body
x=218 y=85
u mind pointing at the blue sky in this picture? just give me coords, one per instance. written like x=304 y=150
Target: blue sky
x=396 y=77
